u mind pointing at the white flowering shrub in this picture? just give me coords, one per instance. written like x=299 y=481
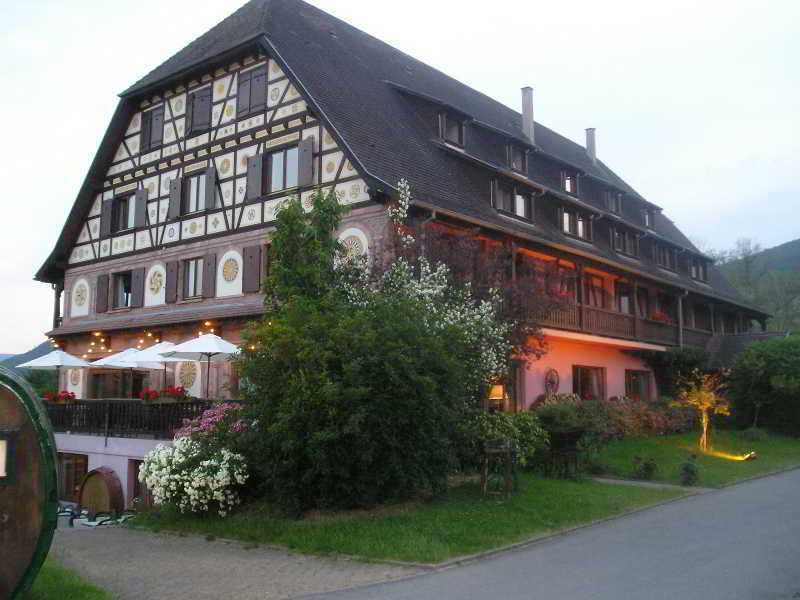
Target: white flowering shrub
x=188 y=476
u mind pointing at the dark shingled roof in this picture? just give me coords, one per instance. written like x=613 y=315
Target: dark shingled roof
x=356 y=83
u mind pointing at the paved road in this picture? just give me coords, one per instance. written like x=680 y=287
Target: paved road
x=741 y=543
x=137 y=565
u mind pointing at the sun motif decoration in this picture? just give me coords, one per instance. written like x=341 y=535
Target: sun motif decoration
x=230 y=269
x=81 y=293
x=75 y=376
x=156 y=282
x=353 y=246
x=188 y=374
x=225 y=165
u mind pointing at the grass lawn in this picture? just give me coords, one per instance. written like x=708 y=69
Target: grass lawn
x=775 y=452
x=461 y=523
x=54 y=582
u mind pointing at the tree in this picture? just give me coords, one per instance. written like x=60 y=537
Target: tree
x=43 y=382
x=701 y=391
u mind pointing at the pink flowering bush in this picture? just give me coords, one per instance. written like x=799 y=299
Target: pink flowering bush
x=220 y=418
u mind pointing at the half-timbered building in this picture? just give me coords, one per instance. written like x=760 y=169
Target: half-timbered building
x=168 y=234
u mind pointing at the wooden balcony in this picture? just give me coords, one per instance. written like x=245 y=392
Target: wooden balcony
x=123 y=418
x=598 y=321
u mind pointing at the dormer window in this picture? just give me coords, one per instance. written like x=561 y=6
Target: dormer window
x=451 y=129
x=576 y=224
x=625 y=242
x=152 y=129
x=516 y=158
x=698 y=269
x=124 y=214
x=512 y=201
x=614 y=202
x=647 y=218
x=569 y=182
x=666 y=257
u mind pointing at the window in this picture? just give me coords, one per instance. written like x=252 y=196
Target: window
x=624 y=297
x=252 y=92
x=122 y=290
x=193 y=278
x=512 y=200
x=643 y=302
x=625 y=241
x=503 y=197
x=576 y=224
x=698 y=269
x=614 y=201
x=589 y=383
x=451 y=129
x=282 y=170
x=516 y=158
x=569 y=182
x=194 y=193
x=647 y=218
x=637 y=384
x=523 y=206
x=124 y=213
x=594 y=291
x=72 y=468
x=152 y=129
x=198 y=111
x=666 y=257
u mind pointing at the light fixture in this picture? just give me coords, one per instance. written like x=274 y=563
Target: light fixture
x=149 y=334
x=211 y=330
x=207 y=323
x=89 y=350
x=141 y=341
x=97 y=334
x=92 y=344
x=85 y=355
x=102 y=339
x=157 y=340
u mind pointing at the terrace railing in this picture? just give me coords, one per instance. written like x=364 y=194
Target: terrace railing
x=123 y=418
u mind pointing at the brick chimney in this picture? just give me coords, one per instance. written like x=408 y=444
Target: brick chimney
x=591 y=148
x=527 y=114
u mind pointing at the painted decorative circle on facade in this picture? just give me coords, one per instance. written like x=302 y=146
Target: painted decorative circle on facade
x=81 y=294
x=178 y=105
x=171 y=232
x=225 y=165
x=151 y=188
x=251 y=214
x=329 y=166
x=229 y=111
x=156 y=282
x=355 y=190
x=328 y=139
x=74 y=376
x=220 y=88
x=353 y=246
x=188 y=374
x=273 y=95
x=193 y=228
x=230 y=269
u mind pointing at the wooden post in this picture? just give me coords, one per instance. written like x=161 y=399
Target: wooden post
x=580 y=296
x=635 y=300
x=680 y=320
x=57 y=289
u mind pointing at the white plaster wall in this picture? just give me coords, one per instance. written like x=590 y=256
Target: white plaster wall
x=73 y=375
x=198 y=386
x=152 y=298
x=75 y=309
x=233 y=287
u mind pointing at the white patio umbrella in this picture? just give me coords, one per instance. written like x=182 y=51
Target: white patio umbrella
x=126 y=359
x=208 y=347
x=53 y=361
x=151 y=357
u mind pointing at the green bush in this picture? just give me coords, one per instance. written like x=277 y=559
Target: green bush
x=764 y=385
x=690 y=473
x=522 y=430
x=644 y=468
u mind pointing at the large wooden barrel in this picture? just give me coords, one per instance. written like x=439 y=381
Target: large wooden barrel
x=101 y=491
x=28 y=485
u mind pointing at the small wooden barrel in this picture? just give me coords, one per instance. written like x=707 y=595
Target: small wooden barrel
x=28 y=485
x=101 y=491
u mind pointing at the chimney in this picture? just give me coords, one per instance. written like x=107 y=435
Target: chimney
x=527 y=113
x=591 y=149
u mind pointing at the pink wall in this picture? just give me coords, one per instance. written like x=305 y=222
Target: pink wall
x=564 y=353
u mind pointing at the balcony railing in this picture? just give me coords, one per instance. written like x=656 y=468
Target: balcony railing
x=589 y=319
x=123 y=418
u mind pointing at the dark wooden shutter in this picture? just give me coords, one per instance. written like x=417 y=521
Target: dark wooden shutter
x=251 y=271
x=171 y=287
x=157 y=127
x=255 y=176
x=144 y=142
x=201 y=110
x=174 y=199
x=210 y=276
x=305 y=158
x=189 y=113
x=258 y=90
x=106 y=216
x=211 y=188
x=243 y=94
x=140 y=210
x=101 y=294
x=137 y=288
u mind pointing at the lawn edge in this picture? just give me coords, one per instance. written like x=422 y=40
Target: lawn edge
x=422 y=565
x=760 y=476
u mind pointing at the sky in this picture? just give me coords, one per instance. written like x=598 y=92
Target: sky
x=695 y=103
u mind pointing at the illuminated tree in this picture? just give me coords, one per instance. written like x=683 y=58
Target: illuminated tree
x=701 y=391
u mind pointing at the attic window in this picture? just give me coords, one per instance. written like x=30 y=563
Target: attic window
x=698 y=269
x=614 y=201
x=647 y=218
x=516 y=158
x=575 y=224
x=512 y=201
x=666 y=257
x=451 y=129
x=152 y=129
x=569 y=182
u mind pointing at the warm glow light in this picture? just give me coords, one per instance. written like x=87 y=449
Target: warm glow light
x=141 y=341
x=157 y=340
x=149 y=334
x=207 y=323
x=102 y=339
x=85 y=355
x=252 y=347
x=211 y=330
x=496 y=392
x=102 y=347
x=92 y=344
x=109 y=350
x=749 y=456
x=97 y=334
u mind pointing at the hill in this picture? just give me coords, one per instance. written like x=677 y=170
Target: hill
x=17 y=359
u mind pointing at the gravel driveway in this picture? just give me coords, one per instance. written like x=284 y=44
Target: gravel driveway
x=133 y=565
